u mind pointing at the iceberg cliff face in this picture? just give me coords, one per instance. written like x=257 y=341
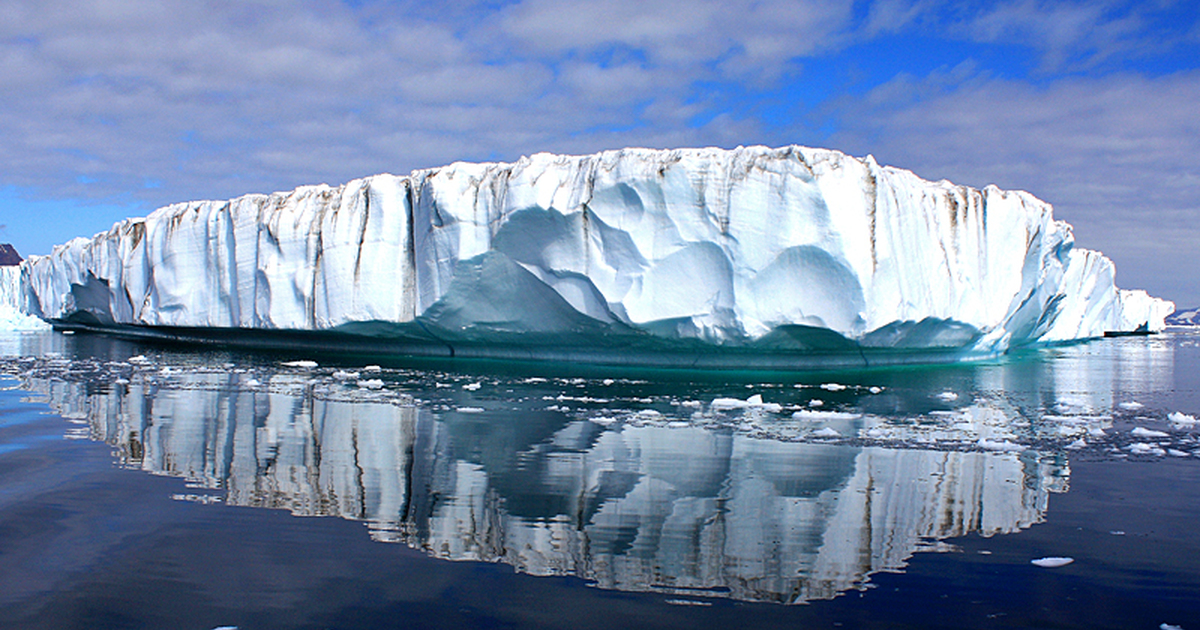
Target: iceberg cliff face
x=12 y=317
x=758 y=248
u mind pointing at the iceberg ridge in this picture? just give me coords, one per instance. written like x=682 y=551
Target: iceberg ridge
x=758 y=250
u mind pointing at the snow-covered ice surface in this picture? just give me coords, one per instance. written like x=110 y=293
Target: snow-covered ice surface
x=636 y=252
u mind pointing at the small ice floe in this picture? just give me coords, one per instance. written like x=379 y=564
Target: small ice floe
x=690 y=403
x=1181 y=420
x=1142 y=448
x=648 y=413
x=753 y=402
x=372 y=368
x=344 y=375
x=833 y=387
x=826 y=432
x=998 y=445
x=470 y=409
x=138 y=360
x=472 y=386
x=1143 y=432
x=252 y=382
x=686 y=602
x=1077 y=444
x=1131 y=405
x=1178 y=453
x=371 y=383
x=1169 y=626
x=816 y=402
x=606 y=382
x=303 y=363
x=823 y=416
x=875 y=390
x=1052 y=562
x=604 y=421
x=947 y=396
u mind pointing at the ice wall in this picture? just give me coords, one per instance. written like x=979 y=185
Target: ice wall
x=12 y=315
x=747 y=247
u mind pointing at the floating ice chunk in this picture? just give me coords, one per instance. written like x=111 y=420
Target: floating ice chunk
x=138 y=360
x=690 y=403
x=1052 y=562
x=604 y=421
x=833 y=387
x=371 y=383
x=826 y=432
x=998 y=445
x=649 y=413
x=253 y=382
x=1181 y=420
x=948 y=396
x=303 y=363
x=1178 y=453
x=470 y=409
x=1148 y=433
x=372 y=368
x=720 y=404
x=1131 y=405
x=607 y=381
x=875 y=390
x=1168 y=626
x=472 y=386
x=816 y=402
x=343 y=375
x=1077 y=444
x=815 y=416
x=753 y=402
x=1142 y=448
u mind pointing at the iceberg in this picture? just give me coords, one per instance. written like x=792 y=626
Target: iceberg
x=12 y=317
x=707 y=257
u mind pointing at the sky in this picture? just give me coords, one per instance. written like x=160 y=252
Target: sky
x=113 y=108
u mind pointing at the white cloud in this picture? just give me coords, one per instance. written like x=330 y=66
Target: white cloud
x=214 y=99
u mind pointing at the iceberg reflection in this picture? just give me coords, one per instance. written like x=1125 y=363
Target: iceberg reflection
x=672 y=507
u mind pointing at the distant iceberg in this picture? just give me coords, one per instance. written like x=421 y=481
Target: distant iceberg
x=701 y=256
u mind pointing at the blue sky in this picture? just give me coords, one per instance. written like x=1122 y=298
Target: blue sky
x=114 y=107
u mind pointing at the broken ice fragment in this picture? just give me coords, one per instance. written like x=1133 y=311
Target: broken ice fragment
x=1052 y=562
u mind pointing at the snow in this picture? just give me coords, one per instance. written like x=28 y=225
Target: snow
x=751 y=247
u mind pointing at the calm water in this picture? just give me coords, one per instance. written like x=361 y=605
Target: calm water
x=155 y=487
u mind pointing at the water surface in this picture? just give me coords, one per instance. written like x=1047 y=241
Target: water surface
x=150 y=486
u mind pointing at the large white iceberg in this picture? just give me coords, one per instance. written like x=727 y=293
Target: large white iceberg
x=752 y=251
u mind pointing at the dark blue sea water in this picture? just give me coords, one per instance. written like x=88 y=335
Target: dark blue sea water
x=147 y=486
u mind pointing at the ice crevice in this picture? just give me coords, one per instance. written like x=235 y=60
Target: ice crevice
x=753 y=249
